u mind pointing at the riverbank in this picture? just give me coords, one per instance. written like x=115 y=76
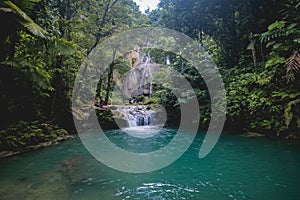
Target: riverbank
x=23 y=136
x=10 y=153
x=4 y=154
x=26 y=136
x=283 y=136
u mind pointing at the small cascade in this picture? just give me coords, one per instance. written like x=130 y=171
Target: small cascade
x=135 y=115
x=168 y=61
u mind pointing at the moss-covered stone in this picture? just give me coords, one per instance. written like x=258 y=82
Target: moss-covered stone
x=22 y=134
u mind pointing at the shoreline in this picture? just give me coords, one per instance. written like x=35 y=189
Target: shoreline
x=10 y=153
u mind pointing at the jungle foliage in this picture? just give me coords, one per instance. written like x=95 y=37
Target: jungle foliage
x=255 y=44
x=256 y=47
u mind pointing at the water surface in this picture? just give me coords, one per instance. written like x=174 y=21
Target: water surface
x=237 y=168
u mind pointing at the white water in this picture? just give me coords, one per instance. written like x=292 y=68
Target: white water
x=142 y=121
x=139 y=80
x=136 y=115
x=142 y=131
x=168 y=61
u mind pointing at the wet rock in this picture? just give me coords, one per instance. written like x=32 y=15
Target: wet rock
x=253 y=135
x=135 y=115
x=49 y=186
x=122 y=123
x=81 y=169
x=4 y=154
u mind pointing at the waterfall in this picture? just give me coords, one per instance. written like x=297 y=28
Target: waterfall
x=138 y=82
x=146 y=76
x=135 y=115
x=168 y=62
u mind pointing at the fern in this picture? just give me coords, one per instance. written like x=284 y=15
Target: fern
x=39 y=76
x=293 y=66
x=275 y=30
x=289 y=113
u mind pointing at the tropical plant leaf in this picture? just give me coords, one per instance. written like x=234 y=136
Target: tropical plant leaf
x=293 y=66
x=66 y=47
x=288 y=114
x=63 y=46
x=36 y=74
x=27 y=5
x=276 y=25
x=26 y=21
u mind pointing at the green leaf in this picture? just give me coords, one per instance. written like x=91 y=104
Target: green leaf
x=288 y=113
x=269 y=44
x=276 y=25
x=26 y=21
x=66 y=47
x=275 y=61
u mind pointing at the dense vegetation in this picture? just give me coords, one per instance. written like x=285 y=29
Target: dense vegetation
x=255 y=44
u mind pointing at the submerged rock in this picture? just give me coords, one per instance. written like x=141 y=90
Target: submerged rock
x=81 y=169
x=47 y=187
x=253 y=135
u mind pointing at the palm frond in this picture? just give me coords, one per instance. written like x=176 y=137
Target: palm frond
x=26 y=21
x=293 y=66
x=27 y=5
x=65 y=47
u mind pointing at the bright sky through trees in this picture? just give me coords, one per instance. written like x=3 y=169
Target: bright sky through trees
x=145 y=4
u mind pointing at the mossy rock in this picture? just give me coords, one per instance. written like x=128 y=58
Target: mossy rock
x=61 y=132
x=22 y=134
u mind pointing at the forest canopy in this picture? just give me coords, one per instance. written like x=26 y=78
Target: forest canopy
x=255 y=44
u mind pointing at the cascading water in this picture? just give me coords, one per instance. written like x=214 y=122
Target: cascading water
x=168 y=61
x=136 y=115
x=138 y=81
x=147 y=76
x=141 y=121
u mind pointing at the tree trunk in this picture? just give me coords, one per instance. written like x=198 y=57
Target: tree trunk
x=108 y=6
x=109 y=81
x=99 y=87
x=61 y=104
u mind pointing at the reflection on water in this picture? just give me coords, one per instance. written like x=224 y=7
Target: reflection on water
x=238 y=168
x=142 y=131
x=141 y=139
